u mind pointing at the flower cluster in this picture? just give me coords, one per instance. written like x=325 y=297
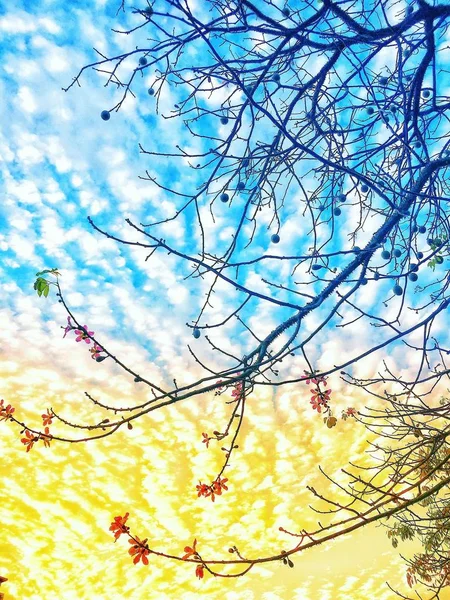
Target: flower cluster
x=238 y=390
x=118 y=526
x=84 y=335
x=349 y=412
x=47 y=417
x=139 y=550
x=5 y=411
x=31 y=438
x=320 y=399
x=191 y=553
x=213 y=490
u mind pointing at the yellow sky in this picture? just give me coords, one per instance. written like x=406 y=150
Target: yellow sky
x=57 y=504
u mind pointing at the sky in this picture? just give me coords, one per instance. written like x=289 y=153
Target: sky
x=60 y=162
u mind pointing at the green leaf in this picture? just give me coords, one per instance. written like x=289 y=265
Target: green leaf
x=53 y=271
x=41 y=286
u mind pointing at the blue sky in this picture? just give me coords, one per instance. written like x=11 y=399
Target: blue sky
x=61 y=163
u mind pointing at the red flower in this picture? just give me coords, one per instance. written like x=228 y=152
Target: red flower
x=119 y=527
x=139 y=550
x=46 y=437
x=5 y=411
x=316 y=405
x=237 y=392
x=203 y=489
x=206 y=439
x=324 y=396
x=199 y=571
x=212 y=490
x=351 y=412
x=320 y=399
x=219 y=485
x=190 y=551
x=29 y=440
x=206 y=491
x=47 y=418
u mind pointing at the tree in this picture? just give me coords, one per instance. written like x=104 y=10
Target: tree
x=316 y=168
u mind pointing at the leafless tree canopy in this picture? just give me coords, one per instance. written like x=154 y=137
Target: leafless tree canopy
x=319 y=139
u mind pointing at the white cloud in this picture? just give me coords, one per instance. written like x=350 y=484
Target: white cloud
x=17 y=24
x=26 y=100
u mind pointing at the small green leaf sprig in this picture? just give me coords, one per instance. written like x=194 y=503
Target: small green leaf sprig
x=42 y=285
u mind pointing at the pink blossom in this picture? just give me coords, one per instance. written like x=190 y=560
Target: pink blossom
x=83 y=334
x=95 y=351
x=68 y=328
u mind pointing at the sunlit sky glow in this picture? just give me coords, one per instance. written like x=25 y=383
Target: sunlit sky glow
x=60 y=163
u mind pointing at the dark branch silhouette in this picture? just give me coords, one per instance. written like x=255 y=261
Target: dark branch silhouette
x=327 y=126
